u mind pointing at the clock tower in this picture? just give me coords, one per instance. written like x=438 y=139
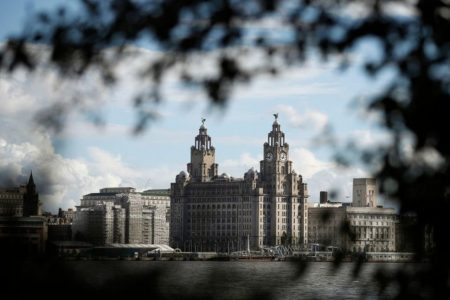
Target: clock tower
x=276 y=164
x=285 y=191
x=202 y=167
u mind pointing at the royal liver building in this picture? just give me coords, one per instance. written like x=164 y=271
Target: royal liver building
x=211 y=212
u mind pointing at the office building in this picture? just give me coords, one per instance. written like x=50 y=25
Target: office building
x=212 y=212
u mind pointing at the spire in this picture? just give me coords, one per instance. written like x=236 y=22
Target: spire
x=276 y=136
x=202 y=127
x=202 y=166
x=203 y=140
x=31 y=199
x=31 y=187
x=31 y=180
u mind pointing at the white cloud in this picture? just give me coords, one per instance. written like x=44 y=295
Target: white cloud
x=366 y=139
x=306 y=163
x=62 y=181
x=362 y=9
x=401 y=8
x=26 y=146
x=294 y=82
x=239 y=140
x=308 y=119
x=322 y=175
x=237 y=167
x=337 y=181
x=16 y=101
x=110 y=164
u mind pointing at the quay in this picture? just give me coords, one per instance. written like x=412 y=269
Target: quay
x=145 y=252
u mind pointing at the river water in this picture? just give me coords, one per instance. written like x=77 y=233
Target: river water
x=235 y=280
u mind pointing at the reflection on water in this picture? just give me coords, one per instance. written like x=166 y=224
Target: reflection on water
x=239 y=280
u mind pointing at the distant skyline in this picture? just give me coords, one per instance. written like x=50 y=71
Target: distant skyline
x=84 y=158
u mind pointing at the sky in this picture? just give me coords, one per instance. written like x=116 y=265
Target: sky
x=84 y=157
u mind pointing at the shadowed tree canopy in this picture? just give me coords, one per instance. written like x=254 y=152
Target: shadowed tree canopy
x=413 y=38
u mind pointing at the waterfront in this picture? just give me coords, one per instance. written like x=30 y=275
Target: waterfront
x=220 y=280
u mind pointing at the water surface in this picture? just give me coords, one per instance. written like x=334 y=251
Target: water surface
x=236 y=280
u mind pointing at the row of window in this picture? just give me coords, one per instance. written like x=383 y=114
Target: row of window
x=371 y=216
x=218 y=213
x=370 y=223
x=373 y=229
x=217 y=191
x=213 y=206
x=362 y=235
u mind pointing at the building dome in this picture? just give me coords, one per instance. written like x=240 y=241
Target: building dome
x=224 y=175
x=251 y=174
x=183 y=174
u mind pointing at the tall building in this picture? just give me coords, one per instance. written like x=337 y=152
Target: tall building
x=323 y=197
x=373 y=229
x=211 y=212
x=23 y=231
x=360 y=227
x=122 y=215
x=21 y=201
x=364 y=192
x=325 y=224
x=156 y=217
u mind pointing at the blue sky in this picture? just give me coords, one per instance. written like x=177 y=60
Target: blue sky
x=309 y=99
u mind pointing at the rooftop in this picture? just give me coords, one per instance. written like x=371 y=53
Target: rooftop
x=150 y=246
x=157 y=192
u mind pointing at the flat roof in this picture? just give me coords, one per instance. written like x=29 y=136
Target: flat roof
x=151 y=246
x=101 y=194
x=71 y=244
x=157 y=192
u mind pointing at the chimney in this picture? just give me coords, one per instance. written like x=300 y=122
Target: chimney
x=323 y=197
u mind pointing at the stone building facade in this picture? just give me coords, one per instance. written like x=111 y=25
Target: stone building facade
x=23 y=236
x=60 y=225
x=122 y=215
x=373 y=227
x=360 y=227
x=96 y=224
x=156 y=217
x=20 y=201
x=59 y=232
x=212 y=212
x=23 y=231
x=364 y=192
x=325 y=226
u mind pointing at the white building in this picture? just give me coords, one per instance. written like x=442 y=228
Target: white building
x=363 y=226
x=364 y=192
x=122 y=215
x=100 y=224
x=373 y=229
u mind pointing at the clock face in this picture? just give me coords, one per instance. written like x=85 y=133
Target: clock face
x=283 y=156
x=269 y=156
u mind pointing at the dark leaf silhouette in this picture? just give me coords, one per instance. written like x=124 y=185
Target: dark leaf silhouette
x=415 y=46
